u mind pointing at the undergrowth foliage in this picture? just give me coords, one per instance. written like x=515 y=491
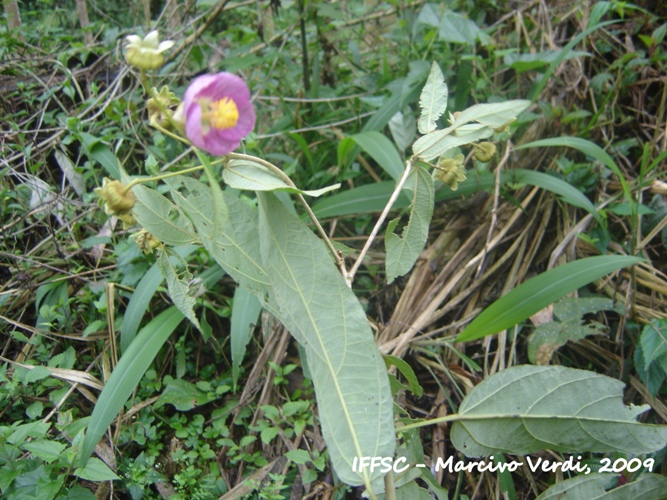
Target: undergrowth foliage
x=470 y=346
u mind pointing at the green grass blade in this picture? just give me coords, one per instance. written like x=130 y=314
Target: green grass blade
x=588 y=148
x=382 y=150
x=568 y=192
x=540 y=291
x=126 y=375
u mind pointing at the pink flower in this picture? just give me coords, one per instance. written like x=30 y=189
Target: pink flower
x=218 y=112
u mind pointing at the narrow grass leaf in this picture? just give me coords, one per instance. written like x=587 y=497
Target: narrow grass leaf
x=433 y=100
x=382 y=150
x=403 y=251
x=566 y=191
x=101 y=153
x=540 y=291
x=245 y=313
x=326 y=318
x=526 y=409
x=588 y=148
x=126 y=375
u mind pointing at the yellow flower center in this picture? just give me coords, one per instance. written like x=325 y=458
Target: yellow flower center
x=222 y=114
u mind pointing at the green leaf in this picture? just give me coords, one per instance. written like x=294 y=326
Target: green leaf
x=298 y=456
x=245 y=314
x=381 y=149
x=126 y=375
x=96 y=470
x=236 y=246
x=526 y=409
x=178 y=284
x=456 y=28
x=407 y=371
x=324 y=315
x=439 y=142
x=588 y=148
x=45 y=449
x=183 y=395
x=654 y=342
x=527 y=62
x=252 y=176
x=403 y=251
x=433 y=100
x=141 y=298
x=540 y=291
x=566 y=191
x=101 y=153
x=495 y=115
x=570 y=312
x=597 y=487
x=403 y=129
x=162 y=218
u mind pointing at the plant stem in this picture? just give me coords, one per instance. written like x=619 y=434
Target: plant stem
x=392 y=199
x=142 y=180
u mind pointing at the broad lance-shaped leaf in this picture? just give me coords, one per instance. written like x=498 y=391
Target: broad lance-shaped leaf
x=252 y=176
x=439 y=142
x=178 y=284
x=526 y=409
x=403 y=251
x=162 y=218
x=351 y=382
x=540 y=291
x=433 y=100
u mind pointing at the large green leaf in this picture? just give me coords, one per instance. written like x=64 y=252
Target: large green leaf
x=236 y=247
x=439 y=142
x=526 y=409
x=540 y=291
x=597 y=487
x=403 y=251
x=324 y=315
x=162 y=218
x=433 y=100
x=126 y=375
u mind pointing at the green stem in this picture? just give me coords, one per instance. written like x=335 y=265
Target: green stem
x=142 y=180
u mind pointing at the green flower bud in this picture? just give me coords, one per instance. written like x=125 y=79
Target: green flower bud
x=159 y=107
x=118 y=200
x=484 y=151
x=146 y=241
x=451 y=171
x=146 y=53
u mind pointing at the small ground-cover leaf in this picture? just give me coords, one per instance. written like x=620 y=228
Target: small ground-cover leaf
x=568 y=326
x=651 y=355
x=540 y=291
x=526 y=409
x=183 y=395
